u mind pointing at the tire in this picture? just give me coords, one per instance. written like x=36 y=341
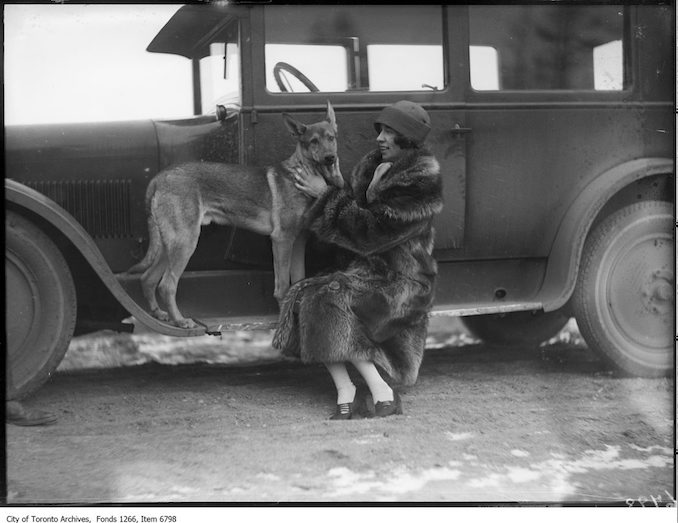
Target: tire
x=624 y=297
x=41 y=307
x=518 y=329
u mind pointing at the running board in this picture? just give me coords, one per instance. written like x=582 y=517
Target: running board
x=245 y=300
x=489 y=308
x=215 y=326
x=270 y=322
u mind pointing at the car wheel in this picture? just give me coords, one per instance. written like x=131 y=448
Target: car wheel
x=40 y=306
x=517 y=329
x=624 y=301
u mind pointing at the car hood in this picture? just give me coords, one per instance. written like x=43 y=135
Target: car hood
x=82 y=150
x=113 y=150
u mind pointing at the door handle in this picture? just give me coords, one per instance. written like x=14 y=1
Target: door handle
x=458 y=129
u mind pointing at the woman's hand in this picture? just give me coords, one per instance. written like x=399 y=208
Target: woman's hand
x=311 y=185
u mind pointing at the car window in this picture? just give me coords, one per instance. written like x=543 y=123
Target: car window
x=324 y=64
x=220 y=77
x=536 y=47
x=220 y=71
x=366 y=48
x=423 y=67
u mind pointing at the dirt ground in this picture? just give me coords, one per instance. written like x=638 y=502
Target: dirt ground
x=148 y=419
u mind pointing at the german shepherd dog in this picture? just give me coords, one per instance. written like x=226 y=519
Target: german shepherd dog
x=182 y=198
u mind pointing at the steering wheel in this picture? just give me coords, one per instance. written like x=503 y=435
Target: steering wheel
x=281 y=67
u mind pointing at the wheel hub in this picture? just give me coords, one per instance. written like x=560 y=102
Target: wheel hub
x=657 y=292
x=640 y=292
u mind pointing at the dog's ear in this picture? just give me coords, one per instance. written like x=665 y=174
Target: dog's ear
x=330 y=116
x=294 y=126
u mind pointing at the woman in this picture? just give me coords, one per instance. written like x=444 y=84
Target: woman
x=374 y=311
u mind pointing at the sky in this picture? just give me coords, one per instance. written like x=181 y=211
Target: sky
x=83 y=63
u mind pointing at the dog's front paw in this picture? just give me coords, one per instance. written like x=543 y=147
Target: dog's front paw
x=185 y=323
x=160 y=315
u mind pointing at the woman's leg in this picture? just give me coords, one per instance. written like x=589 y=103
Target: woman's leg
x=342 y=381
x=378 y=387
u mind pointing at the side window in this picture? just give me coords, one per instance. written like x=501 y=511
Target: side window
x=323 y=66
x=547 y=48
x=358 y=48
x=399 y=67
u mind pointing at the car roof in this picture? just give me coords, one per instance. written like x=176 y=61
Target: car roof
x=185 y=34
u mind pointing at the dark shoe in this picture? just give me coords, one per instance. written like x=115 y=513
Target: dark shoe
x=388 y=408
x=17 y=415
x=346 y=410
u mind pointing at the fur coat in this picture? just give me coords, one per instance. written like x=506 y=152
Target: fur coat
x=376 y=307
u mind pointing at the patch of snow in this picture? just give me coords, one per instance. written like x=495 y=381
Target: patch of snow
x=458 y=436
x=369 y=439
x=552 y=479
x=400 y=481
x=523 y=475
x=663 y=450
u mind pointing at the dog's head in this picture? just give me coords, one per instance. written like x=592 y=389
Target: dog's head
x=317 y=143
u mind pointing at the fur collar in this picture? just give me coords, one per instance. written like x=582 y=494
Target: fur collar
x=411 y=189
x=407 y=161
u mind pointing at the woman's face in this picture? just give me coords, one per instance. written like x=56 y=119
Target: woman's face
x=387 y=146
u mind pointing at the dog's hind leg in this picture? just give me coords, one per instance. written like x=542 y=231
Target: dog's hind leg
x=298 y=265
x=178 y=254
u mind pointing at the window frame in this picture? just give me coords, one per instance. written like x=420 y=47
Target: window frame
x=629 y=92
x=352 y=75
x=366 y=99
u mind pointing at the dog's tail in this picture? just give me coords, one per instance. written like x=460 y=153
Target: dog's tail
x=154 y=241
x=153 y=249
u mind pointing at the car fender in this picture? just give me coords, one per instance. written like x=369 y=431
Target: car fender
x=563 y=262
x=25 y=197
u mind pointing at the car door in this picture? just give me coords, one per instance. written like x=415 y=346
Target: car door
x=543 y=100
x=362 y=58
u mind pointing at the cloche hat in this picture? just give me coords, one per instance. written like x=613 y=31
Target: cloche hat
x=407 y=118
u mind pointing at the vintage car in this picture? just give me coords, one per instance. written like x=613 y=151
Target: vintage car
x=553 y=125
